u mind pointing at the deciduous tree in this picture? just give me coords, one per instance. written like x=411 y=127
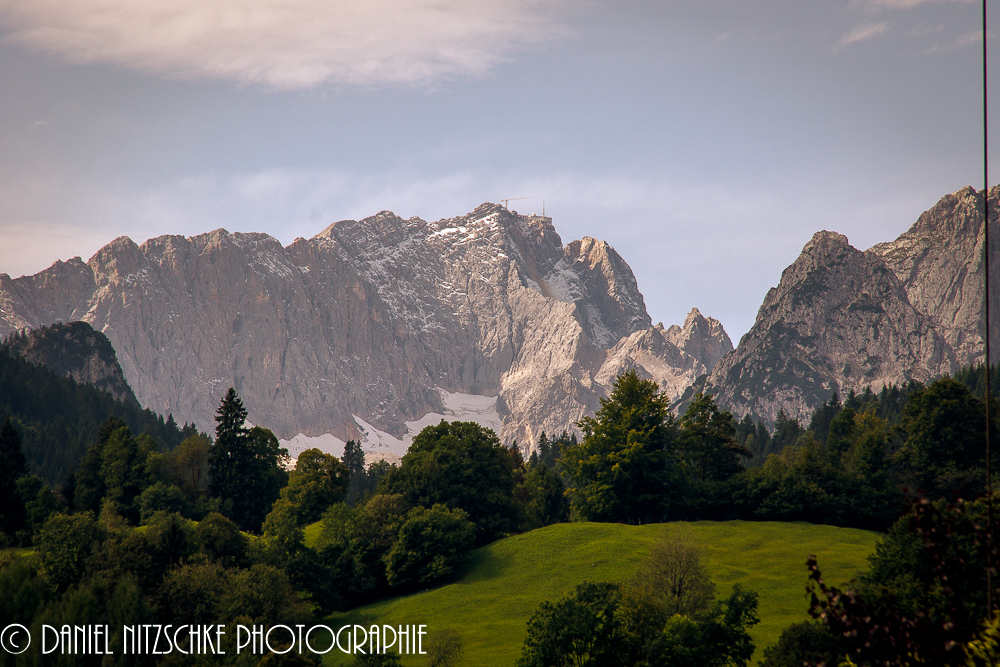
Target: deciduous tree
x=432 y=544
x=464 y=466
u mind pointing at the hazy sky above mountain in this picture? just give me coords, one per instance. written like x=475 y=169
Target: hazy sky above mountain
x=706 y=140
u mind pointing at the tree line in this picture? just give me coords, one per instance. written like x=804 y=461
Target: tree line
x=222 y=514
x=854 y=465
x=213 y=530
x=59 y=419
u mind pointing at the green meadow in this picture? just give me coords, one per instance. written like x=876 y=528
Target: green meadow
x=504 y=582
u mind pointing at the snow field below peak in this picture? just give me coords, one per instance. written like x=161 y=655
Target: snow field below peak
x=378 y=444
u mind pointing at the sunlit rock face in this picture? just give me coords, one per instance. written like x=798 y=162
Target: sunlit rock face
x=843 y=319
x=371 y=324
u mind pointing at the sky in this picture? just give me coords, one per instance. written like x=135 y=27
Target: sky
x=706 y=140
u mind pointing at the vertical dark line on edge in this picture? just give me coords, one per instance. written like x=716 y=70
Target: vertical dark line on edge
x=986 y=308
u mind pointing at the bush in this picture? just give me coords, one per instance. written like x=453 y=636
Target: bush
x=161 y=497
x=432 y=544
x=464 y=466
x=808 y=642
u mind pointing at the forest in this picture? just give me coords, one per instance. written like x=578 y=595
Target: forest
x=153 y=522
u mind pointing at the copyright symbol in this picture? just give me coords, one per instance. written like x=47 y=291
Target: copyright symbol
x=7 y=638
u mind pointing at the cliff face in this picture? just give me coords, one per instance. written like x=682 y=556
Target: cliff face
x=74 y=350
x=367 y=323
x=939 y=262
x=843 y=319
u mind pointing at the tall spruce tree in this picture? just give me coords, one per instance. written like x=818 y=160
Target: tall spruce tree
x=230 y=439
x=354 y=459
x=245 y=466
x=229 y=449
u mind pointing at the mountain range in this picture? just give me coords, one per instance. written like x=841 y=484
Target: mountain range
x=843 y=319
x=374 y=328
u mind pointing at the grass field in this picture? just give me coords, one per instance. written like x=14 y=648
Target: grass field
x=489 y=605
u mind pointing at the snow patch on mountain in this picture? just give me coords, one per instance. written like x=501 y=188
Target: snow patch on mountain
x=327 y=443
x=457 y=407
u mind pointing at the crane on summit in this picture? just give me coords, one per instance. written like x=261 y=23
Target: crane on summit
x=503 y=202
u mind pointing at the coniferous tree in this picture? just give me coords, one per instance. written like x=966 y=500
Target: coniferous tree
x=113 y=471
x=59 y=418
x=761 y=443
x=786 y=432
x=13 y=466
x=230 y=443
x=819 y=425
x=12 y=462
x=623 y=469
x=354 y=459
x=745 y=429
x=542 y=448
x=708 y=437
x=246 y=467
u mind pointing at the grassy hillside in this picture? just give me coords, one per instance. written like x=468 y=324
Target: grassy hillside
x=490 y=603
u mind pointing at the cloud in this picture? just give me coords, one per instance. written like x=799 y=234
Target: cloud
x=900 y=4
x=863 y=32
x=286 y=44
x=970 y=38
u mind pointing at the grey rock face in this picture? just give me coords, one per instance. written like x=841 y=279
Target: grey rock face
x=843 y=319
x=939 y=262
x=674 y=357
x=372 y=318
x=703 y=338
x=74 y=350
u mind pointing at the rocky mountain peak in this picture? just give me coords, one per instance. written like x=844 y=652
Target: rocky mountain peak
x=939 y=262
x=701 y=337
x=369 y=328
x=47 y=296
x=74 y=350
x=844 y=319
x=824 y=248
x=825 y=241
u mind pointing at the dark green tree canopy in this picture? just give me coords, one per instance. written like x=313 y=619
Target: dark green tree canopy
x=59 y=418
x=709 y=440
x=602 y=625
x=621 y=470
x=246 y=468
x=318 y=481
x=584 y=628
x=945 y=435
x=354 y=458
x=113 y=471
x=13 y=466
x=464 y=466
x=432 y=544
x=12 y=462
